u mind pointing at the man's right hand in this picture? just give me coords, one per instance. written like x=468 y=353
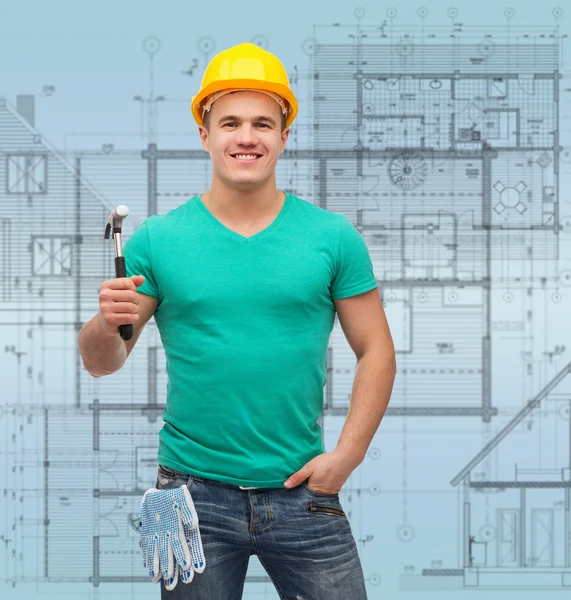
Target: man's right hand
x=119 y=303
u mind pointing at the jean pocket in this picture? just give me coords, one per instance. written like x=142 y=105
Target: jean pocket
x=318 y=494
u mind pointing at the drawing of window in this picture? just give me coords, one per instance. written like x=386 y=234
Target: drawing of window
x=26 y=173
x=51 y=255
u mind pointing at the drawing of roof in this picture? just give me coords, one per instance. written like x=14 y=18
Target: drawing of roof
x=22 y=138
x=518 y=418
x=52 y=220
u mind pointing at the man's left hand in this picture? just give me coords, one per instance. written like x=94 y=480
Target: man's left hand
x=325 y=473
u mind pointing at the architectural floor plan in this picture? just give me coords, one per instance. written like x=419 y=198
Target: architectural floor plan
x=448 y=147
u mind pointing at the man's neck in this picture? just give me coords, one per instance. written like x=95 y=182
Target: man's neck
x=243 y=206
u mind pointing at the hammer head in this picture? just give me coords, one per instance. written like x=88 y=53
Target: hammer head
x=115 y=220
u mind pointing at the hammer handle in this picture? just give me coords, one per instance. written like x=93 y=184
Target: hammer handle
x=125 y=331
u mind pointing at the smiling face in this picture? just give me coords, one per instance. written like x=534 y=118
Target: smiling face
x=244 y=138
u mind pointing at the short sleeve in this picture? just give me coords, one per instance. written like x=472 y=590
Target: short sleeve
x=355 y=273
x=138 y=259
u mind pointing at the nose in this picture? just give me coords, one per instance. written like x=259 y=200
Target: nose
x=246 y=135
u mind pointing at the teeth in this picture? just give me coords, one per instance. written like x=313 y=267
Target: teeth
x=246 y=156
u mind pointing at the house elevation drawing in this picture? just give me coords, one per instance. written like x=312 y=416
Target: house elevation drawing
x=448 y=147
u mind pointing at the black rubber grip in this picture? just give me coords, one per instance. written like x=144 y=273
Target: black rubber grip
x=125 y=331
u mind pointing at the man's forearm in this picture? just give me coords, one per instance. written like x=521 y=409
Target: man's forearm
x=101 y=353
x=372 y=388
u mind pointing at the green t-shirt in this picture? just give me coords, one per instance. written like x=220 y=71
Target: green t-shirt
x=245 y=324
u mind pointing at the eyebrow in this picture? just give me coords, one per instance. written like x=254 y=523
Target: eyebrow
x=236 y=118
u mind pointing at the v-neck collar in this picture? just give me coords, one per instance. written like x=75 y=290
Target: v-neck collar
x=238 y=236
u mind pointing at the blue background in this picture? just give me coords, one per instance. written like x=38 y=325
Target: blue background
x=85 y=63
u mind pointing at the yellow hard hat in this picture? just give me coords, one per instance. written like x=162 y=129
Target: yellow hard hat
x=245 y=67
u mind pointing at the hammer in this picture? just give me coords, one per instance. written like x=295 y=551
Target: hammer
x=113 y=226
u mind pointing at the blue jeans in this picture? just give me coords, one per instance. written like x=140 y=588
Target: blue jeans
x=301 y=537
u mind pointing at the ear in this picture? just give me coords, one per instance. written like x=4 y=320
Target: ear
x=204 y=138
x=285 y=135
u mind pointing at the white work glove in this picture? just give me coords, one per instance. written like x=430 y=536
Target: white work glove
x=169 y=533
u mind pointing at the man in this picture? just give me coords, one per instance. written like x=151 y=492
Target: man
x=244 y=282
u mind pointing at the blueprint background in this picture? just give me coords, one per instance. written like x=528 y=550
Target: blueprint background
x=93 y=55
